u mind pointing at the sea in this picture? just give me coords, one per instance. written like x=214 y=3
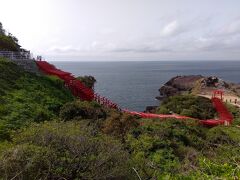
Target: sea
x=134 y=84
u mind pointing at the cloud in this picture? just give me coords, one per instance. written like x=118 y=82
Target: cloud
x=226 y=38
x=146 y=49
x=63 y=49
x=170 y=29
x=230 y=29
x=191 y=37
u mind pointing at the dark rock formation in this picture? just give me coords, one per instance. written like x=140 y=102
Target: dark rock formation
x=179 y=84
x=214 y=81
x=196 y=84
x=151 y=109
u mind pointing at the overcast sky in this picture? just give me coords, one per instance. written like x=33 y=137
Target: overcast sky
x=126 y=29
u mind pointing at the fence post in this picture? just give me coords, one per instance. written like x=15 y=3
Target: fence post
x=11 y=55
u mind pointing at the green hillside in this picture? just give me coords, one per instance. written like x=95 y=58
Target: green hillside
x=46 y=133
x=26 y=97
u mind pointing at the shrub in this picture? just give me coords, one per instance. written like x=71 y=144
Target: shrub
x=82 y=110
x=65 y=150
x=235 y=112
x=8 y=42
x=214 y=170
x=118 y=124
x=163 y=110
x=88 y=81
x=158 y=146
x=224 y=135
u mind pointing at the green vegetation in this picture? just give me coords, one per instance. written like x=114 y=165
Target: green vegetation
x=88 y=81
x=169 y=149
x=235 y=112
x=104 y=120
x=8 y=42
x=48 y=134
x=78 y=110
x=188 y=105
x=59 y=150
x=26 y=97
x=179 y=149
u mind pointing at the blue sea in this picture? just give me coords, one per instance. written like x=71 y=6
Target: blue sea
x=134 y=85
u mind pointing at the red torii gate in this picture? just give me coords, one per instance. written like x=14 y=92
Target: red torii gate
x=217 y=93
x=80 y=90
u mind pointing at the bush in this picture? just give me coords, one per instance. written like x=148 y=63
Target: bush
x=158 y=147
x=88 y=81
x=224 y=135
x=163 y=110
x=82 y=110
x=235 y=112
x=65 y=150
x=8 y=42
x=214 y=170
x=118 y=124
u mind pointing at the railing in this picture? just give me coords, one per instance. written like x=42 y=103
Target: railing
x=106 y=102
x=77 y=88
x=16 y=55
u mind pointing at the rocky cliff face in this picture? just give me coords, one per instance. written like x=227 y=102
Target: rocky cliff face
x=179 y=84
x=196 y=84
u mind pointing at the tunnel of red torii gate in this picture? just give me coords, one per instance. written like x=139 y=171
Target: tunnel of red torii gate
x=79 y=90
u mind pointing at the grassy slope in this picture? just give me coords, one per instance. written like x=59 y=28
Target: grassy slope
x=25 y=97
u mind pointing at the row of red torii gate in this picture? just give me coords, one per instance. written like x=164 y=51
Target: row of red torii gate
x=79 y=90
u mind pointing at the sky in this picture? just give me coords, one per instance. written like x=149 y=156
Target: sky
x=137 y=30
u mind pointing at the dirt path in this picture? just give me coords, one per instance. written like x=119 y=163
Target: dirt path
x=229 y=98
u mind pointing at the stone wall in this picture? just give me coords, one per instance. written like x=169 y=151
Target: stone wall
x=28 y=65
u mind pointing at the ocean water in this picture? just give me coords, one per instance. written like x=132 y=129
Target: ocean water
x=134 y=85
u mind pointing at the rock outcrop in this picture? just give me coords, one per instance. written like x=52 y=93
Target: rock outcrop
x=179 y=84
x=196 y=84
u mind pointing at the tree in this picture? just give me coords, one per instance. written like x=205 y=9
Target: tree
x=8 y=42
x=88 y=81
x=2 y=31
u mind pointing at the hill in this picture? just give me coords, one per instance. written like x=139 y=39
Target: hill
x=48 y=134
x=26 y=97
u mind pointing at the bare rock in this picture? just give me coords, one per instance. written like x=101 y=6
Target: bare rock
x=196 y=84
x=179 y=84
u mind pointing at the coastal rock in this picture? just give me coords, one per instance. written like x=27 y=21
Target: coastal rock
x=196 y=84
x=179 y=84
x=151 y=109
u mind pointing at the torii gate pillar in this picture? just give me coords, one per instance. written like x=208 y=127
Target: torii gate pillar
x=216 y=93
